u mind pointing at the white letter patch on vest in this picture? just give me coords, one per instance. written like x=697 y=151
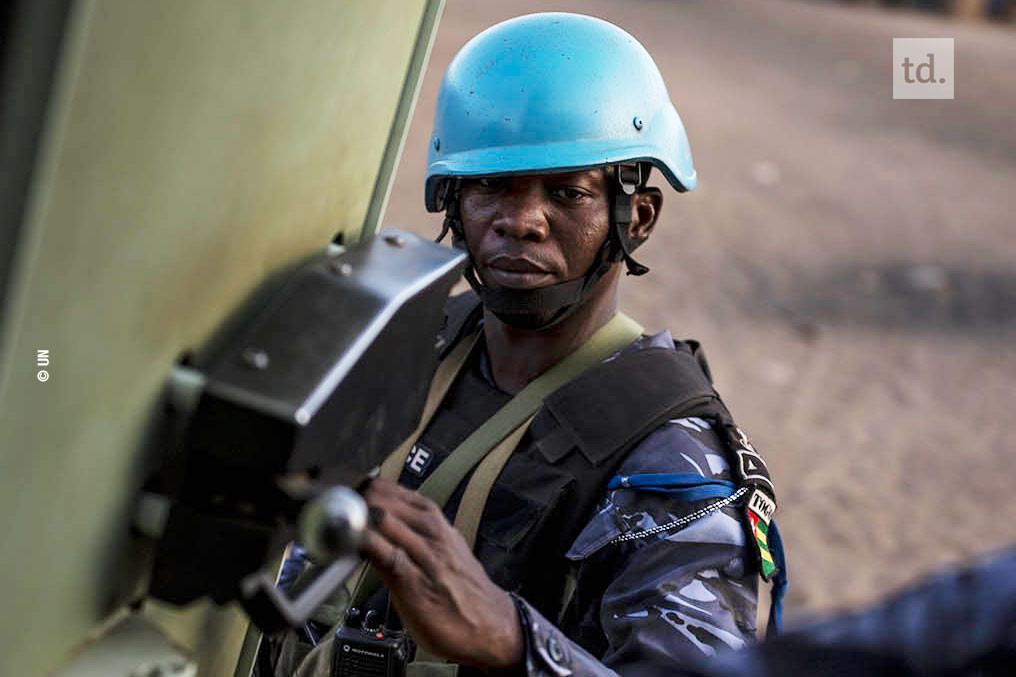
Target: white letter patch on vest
x=418 y=460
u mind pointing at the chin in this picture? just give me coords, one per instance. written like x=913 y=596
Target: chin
x=525 y=321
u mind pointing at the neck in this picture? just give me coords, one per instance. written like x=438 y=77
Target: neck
x=517 y=356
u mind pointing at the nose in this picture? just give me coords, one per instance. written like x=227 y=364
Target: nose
x=522 y=212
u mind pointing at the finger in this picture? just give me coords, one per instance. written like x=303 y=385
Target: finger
x=417 y=547
x=438 y=545
x=418 y=512
x=374 y=515
x=397 y=569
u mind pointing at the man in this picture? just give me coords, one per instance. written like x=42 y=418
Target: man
x=613 y=534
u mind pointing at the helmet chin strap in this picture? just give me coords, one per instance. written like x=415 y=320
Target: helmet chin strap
x=543 y=307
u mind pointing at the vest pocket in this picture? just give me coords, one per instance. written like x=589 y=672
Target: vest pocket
x=521 y=501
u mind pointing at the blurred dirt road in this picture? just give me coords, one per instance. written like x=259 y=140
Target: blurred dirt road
x=849 y=262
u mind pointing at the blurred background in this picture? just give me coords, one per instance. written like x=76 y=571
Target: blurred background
x=848 y=260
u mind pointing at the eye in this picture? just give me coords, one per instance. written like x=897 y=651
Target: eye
x=569 y=194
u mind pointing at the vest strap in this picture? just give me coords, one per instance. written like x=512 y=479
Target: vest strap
x=467 y=519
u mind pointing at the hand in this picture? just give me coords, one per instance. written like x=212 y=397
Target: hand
x=444 y=597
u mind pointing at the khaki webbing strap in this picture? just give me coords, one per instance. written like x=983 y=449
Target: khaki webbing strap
x=467 y=519
x=439 y=385
x=607 y=340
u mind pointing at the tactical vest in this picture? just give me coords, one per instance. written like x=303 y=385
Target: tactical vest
x=574 y=446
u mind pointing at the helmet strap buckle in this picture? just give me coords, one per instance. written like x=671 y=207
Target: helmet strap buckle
x=629 y=179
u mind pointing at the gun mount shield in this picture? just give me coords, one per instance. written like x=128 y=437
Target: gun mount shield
x=315 y=380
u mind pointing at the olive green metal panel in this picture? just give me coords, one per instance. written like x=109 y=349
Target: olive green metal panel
x=190 y=147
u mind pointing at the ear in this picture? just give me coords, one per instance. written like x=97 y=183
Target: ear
x=645 y=212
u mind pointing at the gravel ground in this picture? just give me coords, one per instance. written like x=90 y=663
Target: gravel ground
x=848 y=261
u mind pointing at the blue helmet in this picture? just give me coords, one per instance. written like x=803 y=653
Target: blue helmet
x=553 y=92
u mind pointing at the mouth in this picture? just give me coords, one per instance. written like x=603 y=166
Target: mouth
x=517 y=272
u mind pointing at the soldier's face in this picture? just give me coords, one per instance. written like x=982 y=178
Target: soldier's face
x=525 y=232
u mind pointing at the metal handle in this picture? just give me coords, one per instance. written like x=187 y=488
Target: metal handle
x=331 y=527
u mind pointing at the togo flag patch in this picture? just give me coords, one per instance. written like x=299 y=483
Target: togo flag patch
x=760 y=510
x=762 y=505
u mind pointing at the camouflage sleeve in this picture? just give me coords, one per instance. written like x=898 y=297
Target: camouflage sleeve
x=660 y=584
x=960 y=623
